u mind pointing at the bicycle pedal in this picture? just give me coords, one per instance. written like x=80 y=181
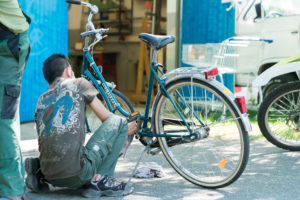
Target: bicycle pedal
x=133 y=117
x=136 y=116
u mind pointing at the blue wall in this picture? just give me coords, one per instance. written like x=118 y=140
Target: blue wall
x=48 y=34
x=206 y=21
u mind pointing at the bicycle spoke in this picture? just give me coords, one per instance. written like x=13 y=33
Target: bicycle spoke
x=221 y=121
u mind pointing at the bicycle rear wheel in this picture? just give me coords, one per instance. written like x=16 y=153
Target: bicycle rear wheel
x=93 y=122
x=279 y=116
x=216 y=160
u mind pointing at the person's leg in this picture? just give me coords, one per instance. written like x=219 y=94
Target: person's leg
x=104 y=149
x=13 y=56
x=101 y=152
x=109 y=164
x=105 y=145
x=12 y=175
x=11 y=164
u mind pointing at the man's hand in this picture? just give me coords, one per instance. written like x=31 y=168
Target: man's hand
x=132 y=127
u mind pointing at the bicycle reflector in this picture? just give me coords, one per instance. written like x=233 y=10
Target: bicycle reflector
x=211 y=73
x=242 y=104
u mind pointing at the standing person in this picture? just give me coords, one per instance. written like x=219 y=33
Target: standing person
x=14 y=52
x=60 y=120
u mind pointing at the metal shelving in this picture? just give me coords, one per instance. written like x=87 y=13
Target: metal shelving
x=115 y=15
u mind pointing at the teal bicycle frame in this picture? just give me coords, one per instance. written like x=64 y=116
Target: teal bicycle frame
x=108 y=96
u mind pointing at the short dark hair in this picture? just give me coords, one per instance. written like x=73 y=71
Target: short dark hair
x=54 y=67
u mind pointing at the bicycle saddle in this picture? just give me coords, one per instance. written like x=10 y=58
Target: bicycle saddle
x=156 y=41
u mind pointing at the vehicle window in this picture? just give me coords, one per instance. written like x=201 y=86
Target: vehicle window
x=280 y=8
x=252 y=14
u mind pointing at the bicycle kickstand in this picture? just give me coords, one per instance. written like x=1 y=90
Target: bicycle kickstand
x=147 y=148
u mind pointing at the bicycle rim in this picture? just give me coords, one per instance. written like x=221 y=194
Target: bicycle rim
x=282 y=119
x=220 y=158
x=94 y=122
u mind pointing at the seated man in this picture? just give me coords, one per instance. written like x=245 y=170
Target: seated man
x=60 y=120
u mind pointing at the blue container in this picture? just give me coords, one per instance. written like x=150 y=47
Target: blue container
x=207 y=21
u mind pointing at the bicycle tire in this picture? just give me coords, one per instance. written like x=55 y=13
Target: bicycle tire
x=220 y=158
x=94 y=122
x=279 y=116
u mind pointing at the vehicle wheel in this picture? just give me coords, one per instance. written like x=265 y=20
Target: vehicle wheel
x=93 y=122
x=221 y=156
x=279 y=116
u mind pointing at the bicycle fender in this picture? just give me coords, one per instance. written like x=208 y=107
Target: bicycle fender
x=198 y=73
x=275 y=71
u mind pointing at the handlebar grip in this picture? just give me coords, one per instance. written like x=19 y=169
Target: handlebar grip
x=73 y=2
x=86 y=34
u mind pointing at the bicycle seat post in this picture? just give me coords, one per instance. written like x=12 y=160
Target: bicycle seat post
x=86 y=44
x=89 y=26
x=154 y=55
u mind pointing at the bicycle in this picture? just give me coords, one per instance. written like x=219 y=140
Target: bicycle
x=191 y=111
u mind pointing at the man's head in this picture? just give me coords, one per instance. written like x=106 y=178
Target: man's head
x=55 y=66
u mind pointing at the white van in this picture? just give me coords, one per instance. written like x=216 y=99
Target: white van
x=270 y=19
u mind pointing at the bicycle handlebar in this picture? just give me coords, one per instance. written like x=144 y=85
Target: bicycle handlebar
x=90 y=28
x=73 y=2
x=90 y=33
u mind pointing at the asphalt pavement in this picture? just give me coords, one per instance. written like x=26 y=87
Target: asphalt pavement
x=271 y=174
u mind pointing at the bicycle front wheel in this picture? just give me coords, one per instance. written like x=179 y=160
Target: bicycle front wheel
x=93 y=122
x=221 y=156
x=279 y=116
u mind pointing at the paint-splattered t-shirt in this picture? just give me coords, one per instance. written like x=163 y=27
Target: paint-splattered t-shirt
x=60 y=119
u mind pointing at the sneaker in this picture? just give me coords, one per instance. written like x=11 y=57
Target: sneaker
x=35 y=179
x=107 y=186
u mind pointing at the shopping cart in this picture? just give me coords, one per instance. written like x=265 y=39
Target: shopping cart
x=237 y=59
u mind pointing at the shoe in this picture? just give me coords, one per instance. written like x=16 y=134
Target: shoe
x=107 y=186
x=35 y=179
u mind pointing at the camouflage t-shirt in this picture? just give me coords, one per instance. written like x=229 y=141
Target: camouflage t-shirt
x=60 y=119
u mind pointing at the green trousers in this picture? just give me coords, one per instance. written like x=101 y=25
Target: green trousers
x=101 y=153
x=14 y=51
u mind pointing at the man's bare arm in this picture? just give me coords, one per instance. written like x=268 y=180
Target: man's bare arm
x=99 y=109
x=102 y=113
